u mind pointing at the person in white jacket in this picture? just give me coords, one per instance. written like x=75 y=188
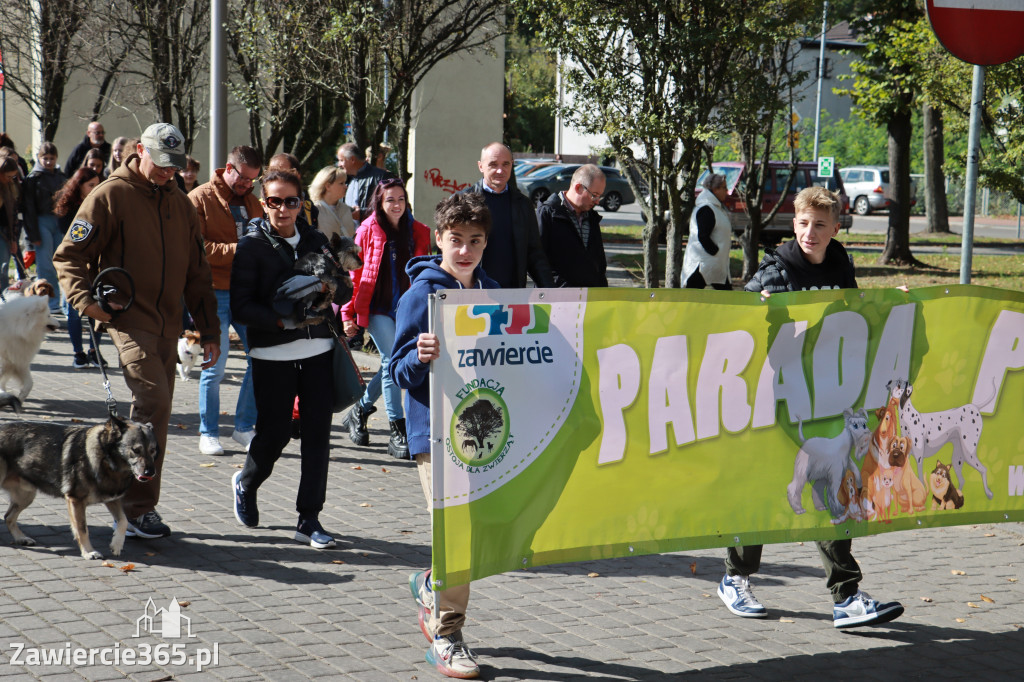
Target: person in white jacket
x=706 y=260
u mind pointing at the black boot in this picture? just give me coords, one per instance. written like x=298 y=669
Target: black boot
x=355 y=422
x=398 y=447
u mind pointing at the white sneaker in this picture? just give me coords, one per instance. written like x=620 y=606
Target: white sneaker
x=735 y=592
x=243 y=438
x=210 y=445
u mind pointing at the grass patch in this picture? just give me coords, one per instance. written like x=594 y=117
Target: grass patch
x=1004 y=272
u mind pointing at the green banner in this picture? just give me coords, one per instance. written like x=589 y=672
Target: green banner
x=578 y=424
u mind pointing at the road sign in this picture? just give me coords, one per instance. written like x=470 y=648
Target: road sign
x=826 y=166
x=983 y=32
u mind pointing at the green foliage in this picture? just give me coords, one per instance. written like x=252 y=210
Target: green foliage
x=530 y=70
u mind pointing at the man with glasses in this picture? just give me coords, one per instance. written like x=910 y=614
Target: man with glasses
x=570 y=230
x=362 y=180
x=225 y=205
x=140 y=221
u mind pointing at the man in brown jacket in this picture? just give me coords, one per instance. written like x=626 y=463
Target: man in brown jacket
x=225 y=205
x=140 y=221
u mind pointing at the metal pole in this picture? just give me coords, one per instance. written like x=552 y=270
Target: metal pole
x=971 y=181
x=821 y=77
x=218 y=85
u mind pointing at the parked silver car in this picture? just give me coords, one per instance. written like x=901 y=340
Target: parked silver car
x=868 y=188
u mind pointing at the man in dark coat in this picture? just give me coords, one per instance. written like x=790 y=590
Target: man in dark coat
x=570 y=230
x=94 y=139
x=513 y=247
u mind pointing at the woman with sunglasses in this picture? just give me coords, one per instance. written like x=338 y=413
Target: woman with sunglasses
x=290 y=356
x=388 y=239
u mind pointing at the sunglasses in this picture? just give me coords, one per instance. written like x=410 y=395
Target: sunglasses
x=278 y=202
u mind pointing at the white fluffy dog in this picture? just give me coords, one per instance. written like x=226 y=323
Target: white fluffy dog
x=24 y=322
x=822 y=462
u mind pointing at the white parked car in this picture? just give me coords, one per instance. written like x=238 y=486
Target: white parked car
x=868 y=188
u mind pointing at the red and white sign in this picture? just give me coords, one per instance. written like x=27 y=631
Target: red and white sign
x=984 y=32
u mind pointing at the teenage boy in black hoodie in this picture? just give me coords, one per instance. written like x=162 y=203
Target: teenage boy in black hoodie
x=813 y=260
x=463 y=223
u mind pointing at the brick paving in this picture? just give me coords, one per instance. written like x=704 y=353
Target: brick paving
x=277 y=610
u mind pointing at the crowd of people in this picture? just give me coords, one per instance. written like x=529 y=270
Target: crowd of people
x=213 y=256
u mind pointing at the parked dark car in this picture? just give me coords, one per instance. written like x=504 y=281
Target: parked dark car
x=542 y=183
x=778 y=173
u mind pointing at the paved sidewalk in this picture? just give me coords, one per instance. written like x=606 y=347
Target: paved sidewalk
x=273 y=609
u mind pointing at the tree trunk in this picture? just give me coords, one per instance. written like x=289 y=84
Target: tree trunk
x=897 y=240
x=935 y=206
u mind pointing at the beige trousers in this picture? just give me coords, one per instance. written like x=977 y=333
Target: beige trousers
x=455 y=600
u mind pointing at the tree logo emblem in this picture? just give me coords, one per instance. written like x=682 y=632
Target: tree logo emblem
x=480 y=427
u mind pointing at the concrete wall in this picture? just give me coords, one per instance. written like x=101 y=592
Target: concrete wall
x=457 y=109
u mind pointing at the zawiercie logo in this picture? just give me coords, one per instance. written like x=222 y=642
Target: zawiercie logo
x=492 y=319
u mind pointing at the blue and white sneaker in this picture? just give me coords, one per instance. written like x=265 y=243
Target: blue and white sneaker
x=861 y=609
x=246 y=511
x=419 y=584
x=310 y=531
x=735 y=592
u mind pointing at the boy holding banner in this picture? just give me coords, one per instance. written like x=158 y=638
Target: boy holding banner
x=463 y=223
x=811 y=261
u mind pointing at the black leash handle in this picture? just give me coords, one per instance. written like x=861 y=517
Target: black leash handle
x=102 y=291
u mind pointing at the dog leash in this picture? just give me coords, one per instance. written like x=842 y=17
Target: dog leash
x=102 y=291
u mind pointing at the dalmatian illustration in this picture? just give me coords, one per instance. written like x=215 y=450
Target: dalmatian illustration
x=930 y=431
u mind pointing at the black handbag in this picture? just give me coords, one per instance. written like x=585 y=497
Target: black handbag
x=348 y=380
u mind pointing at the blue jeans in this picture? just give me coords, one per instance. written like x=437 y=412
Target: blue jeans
x=50 y=236
x=209 y=380
x=382 y=331
x=75 y=329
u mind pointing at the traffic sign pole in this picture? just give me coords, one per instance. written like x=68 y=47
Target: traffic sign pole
x=971 y=190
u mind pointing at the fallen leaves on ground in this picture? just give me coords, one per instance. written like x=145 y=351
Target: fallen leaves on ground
x=593 y=574
x=989 y=535
x=184 y=604
x=926 y=599
x=386 y=471
x=973 y=605
x=990 y=600
x=357 y=467
x=127 y=567
x=1012 y=580
x=365 y=504
x=786 y=620
x=180 y=426
x=693 y=567
x=961 y=620
x=76 y=420
x=337 y=561
x=207 y=465
x=956 y=572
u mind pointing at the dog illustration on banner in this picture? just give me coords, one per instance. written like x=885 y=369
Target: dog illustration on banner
x=929 y=431
x=822 y=462
x=865 y=474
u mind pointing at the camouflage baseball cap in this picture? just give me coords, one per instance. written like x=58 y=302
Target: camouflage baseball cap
x=165 y=144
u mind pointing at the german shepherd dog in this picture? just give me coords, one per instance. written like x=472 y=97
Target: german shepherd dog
x=83 y=464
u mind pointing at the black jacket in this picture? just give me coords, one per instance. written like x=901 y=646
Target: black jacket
x=79 y=152
x=38 y=190
x=773 y=274
x=573 y=264
x=529 y=252
x=256 y=273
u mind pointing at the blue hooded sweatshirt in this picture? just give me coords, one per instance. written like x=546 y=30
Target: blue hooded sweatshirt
x=406 y=370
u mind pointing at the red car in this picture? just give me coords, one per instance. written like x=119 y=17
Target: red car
x=778 y=173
